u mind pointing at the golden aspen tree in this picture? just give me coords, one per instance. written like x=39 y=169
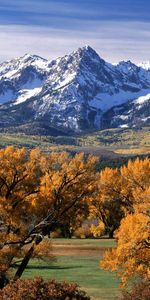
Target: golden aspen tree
x=131 y=258
x=38 y=191
x=107 y=204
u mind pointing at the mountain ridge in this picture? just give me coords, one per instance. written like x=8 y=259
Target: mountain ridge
x=75 y=93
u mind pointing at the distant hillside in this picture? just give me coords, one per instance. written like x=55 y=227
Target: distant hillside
x=121 y=141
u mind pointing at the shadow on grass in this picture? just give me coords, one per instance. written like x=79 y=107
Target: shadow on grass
x=52 y=267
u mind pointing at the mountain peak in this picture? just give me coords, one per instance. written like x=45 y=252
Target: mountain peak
x=31 y=57
x=27 y=55
x=87 y=48
x=87 y=53
x=126 y=67
x=126 y=63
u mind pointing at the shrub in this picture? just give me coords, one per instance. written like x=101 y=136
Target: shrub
x=98 y=230
x=38 y=289
x=83 y=232
x=140 y=291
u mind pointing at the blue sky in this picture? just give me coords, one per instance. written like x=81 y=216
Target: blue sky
x=116 y=29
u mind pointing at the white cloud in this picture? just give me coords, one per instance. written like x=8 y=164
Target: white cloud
x=114 y=41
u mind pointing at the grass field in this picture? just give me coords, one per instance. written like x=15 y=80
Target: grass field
x=78 y=261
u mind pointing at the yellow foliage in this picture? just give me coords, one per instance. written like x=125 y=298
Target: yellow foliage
x=98 y=230
x=132 y=255
x=83 y=232
x=37 y=192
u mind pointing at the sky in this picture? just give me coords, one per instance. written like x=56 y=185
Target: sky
x=116 y=29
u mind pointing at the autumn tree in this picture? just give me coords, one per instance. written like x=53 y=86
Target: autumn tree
x=131 y=258
x=116 y=192
x=38 y=191
x=107 y=204
x=135 y=179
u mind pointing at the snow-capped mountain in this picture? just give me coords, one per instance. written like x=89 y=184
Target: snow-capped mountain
x=22 y=78
x=74 y=93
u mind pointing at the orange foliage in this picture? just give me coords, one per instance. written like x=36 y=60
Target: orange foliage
x=132 y=256
x=38 y=192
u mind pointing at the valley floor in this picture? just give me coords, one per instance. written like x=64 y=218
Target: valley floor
x=77 y=260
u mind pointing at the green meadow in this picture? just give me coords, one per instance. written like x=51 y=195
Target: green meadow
x=78 y=261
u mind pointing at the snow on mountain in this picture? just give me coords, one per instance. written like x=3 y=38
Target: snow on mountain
x=131 y=114
x=13 y=67
x=105 y=102
x=73 y=92
x=27 y=72
x=141 y=100
x=26 y=94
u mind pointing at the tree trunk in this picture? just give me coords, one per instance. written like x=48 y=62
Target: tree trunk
x=111 y=233
x=24 y=263
x=3 y=281
x=38 y=239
